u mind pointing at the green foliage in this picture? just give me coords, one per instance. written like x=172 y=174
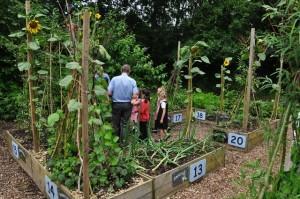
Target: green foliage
x=109 y=166
x=123 y=48
x=208 y=101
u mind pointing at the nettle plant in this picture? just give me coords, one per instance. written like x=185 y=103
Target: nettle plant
x=55 y=48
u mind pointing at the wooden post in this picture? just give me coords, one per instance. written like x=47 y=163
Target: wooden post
x=35 y=135
x=178 y=51
x=189 y=110
x=249 y=81
x=222 y=89
x=84 y=100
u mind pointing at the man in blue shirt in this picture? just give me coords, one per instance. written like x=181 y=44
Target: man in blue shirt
x=121 y=88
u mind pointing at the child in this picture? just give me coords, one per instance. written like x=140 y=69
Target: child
x=135 y=108
x=144 y=116
x=161 y=115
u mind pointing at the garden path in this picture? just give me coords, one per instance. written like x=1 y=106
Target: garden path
x=14 y=182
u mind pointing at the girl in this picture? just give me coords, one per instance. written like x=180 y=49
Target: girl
x=161 y=115
x=135 y=108
x=144 y=116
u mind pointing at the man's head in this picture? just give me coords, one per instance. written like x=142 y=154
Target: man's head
x=125 y=68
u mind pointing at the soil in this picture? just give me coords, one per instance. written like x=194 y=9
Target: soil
x=14 y=182
x=221 y=184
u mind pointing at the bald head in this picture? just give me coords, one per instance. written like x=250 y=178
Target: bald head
x=126 y=68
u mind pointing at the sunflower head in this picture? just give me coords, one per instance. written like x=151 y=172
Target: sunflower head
x=98 y=16
x=34 y=26
x=227 y=61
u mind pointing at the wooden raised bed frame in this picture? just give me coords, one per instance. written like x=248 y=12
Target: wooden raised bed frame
x=37 y=172
x=163 y=184
x=253 y=138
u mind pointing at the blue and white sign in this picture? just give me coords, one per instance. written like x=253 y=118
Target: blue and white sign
x=51 y=188
x=237 y=140
x=177 y=118
x=15 y=149
x=200 y=115
x=197 y=170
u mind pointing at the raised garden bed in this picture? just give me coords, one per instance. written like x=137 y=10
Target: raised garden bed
x=195 y=168
x=241 y=140
x=40 y=176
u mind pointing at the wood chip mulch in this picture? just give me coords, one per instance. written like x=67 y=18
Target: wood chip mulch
x=14 y=182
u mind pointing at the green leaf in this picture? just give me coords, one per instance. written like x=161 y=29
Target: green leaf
x=108 y=136
x=104 y=53
x=227 y=78
x=52 y=119
x=201 y=43
x=17 y=34
x=197 y=70
x=227 y=71
x=33 y=45
x=24 y=66
x=188 y=77
x=65 y=82
x=180 y=63
x=261 y=56
x=257 y=63
x=218 y=85
x=97 y=62
x=21 y=16
x=217 y=75
x=205 y=59
x=198 y=90
x=52 y=39
x=100 y=91
x=73 y=66
x=42 y=72
x=39 y=15
x=116 y=138
x=114 y=161
x=73 y=105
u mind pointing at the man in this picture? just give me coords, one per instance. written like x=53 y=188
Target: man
x=121 y=88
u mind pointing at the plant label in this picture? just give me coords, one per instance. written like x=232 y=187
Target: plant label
x=177 y=118
x=15 y=149
x=179 y=177
x=51 y=188
x=237 y=140
x=200 y=115
x=197 y=170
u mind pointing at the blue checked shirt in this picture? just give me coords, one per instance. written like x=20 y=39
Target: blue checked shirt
x=122 y=88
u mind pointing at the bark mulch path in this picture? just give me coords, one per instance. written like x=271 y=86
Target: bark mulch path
x=14 y=182
x=222 y=183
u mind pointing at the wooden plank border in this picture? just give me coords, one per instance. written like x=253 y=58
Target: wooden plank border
x=171 y=181
x=38 y=174
x=243 y=141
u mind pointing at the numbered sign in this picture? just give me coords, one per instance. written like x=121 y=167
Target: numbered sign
x=200 y=115
x=177 y=118
x=15 y=149
x=197 y=170
x=51 y=188
x=237 y=140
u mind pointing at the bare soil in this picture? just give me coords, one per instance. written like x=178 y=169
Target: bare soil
x=14 y=182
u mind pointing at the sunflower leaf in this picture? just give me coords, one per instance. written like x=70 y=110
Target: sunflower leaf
x=66 y=81
x=39 y=15
x=205 y=59
x=53 y=39
x=73 y=105
x=188 y=77
x=23 y=66
x=17 y=34
x=42 y=72
x=197 y=70
x=33 y=45
x=73 y=66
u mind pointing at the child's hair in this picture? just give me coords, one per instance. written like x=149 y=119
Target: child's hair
x=162 y=91
x=146 y=94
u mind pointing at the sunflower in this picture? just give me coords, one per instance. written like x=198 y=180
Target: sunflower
x=98 y=16
x=34 y=26
x=226 y=61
